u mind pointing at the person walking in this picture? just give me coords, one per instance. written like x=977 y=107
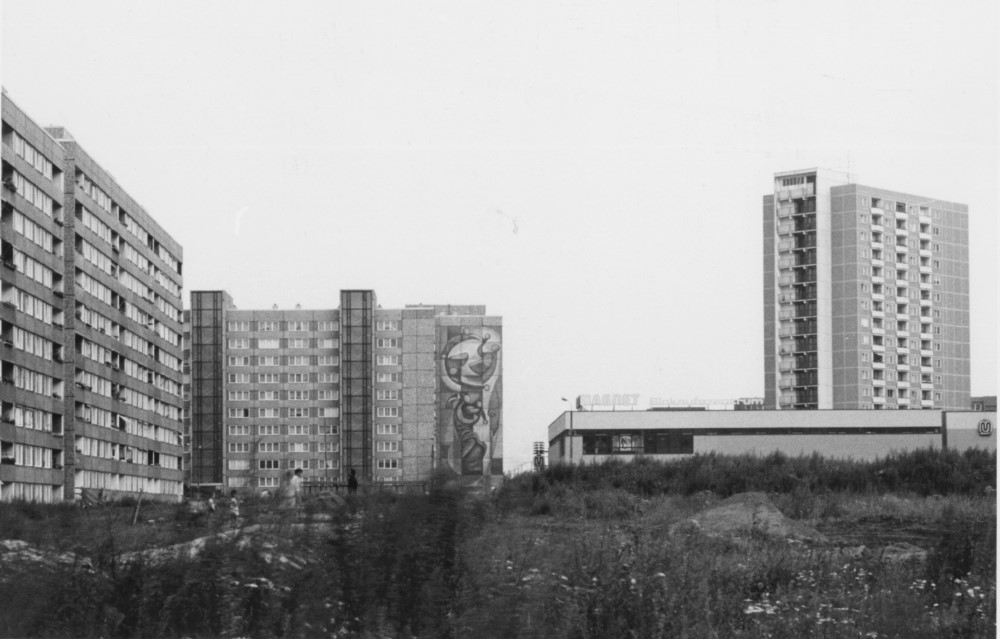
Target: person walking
x=352 y=483
x=287 y=491
x=296 y=488
x=234 y=508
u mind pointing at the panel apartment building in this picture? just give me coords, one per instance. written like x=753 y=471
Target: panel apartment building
x=394 y=395
x=90 y=323
x=866 y=296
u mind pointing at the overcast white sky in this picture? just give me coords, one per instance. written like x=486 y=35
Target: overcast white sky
x=592 y=172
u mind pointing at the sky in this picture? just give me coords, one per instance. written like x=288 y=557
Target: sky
x=592 y=172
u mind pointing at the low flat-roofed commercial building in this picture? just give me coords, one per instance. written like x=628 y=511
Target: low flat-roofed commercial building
x=596 y=436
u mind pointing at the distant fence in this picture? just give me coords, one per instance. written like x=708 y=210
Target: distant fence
x=314 y=487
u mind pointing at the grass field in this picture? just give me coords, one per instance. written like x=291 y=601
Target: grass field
x=581 y=552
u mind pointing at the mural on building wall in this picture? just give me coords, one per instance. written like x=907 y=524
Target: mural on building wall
x=470 y=399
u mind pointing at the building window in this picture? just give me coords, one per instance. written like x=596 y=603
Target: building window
x=386 y=429
x=387 y=377
x=239 y=464
x=269 y=326
x=298 y=326
x=239 y=447
x=387 y=447
x=326 y=378
x=268 y=464
x=239 y=326
x=269 y=447
x=298 y=429
x=388 y=464
x=239 y=413
x=327 y=412
x=267 y=482
x=298 y=412
x=270 y=342
x=268 y=378
x=239 y=429
x=239 y=378
x=387 y=411
x=298 y=360
x=267 y=396
x=298 y=395
x=326 y=325
x=298 y=342
x=387 y=325
x=268 y=429
x=239 y=396
x=269 y=360
x=239 y=343
x=267 y=413
x=298 y=378
x=239 y=361
x=387 y=394
x=387 y=342
x=325 y=395
x=326 y=360
x=387 y=360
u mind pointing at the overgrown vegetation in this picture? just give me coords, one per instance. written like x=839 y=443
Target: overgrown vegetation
x=581 y=552
x=923 y=472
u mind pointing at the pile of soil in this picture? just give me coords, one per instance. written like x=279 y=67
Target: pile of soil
x=748 y=513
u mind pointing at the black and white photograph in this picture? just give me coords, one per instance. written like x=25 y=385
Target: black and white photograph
x=527 y=319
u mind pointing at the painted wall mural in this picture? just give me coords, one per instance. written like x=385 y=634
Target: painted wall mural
x=470 y=399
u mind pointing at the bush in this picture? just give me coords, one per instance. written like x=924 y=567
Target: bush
x=924 y=472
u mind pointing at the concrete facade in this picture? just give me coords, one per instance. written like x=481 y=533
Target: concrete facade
x=592 y=437
x=866 y=297
x=394 y=394
x=92 y=314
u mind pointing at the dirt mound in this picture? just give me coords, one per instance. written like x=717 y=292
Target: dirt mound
x=745 y=513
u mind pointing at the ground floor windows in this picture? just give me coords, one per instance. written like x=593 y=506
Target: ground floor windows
x=660 y=442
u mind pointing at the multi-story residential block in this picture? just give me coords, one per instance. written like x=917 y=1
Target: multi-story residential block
x=392 y=394
x=866 y=296
x=91 y=394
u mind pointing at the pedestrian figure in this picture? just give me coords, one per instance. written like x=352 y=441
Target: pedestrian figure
x=352 y=483
x=287 y=491
x=234 y=507
x=211 y=505
x=297 y=487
